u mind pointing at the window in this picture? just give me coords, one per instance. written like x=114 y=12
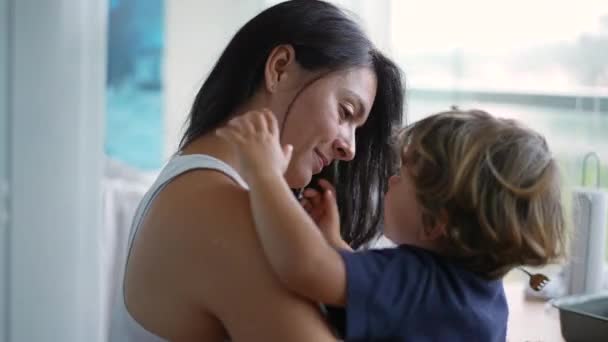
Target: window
x=543 y=63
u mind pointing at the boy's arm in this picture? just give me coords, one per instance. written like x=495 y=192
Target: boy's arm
x=297 y=251
x=295 y=247
x=322 y=207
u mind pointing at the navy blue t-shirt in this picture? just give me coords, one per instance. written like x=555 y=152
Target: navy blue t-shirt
x=411 y=294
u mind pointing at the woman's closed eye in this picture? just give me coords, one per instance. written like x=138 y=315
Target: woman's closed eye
x=346 y=112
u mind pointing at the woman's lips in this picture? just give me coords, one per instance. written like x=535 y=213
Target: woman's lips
x=322 y=161
x=319 y=163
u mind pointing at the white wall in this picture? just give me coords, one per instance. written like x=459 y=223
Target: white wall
x=4 y=17
x=198 y=30
x=57 y=110
x=196 y=33
x=375 y=16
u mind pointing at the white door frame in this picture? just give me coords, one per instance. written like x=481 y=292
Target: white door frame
x=56 y=100
x=4 y=141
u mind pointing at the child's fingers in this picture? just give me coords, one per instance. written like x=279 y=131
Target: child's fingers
x=310 y=210
x=310 y=192
x=326 y=185
x=271 y=120
x=313 y=196
x=329 y=201
x=306 y=205
x=228 y=134
x=222 y=134
x=236 y=125
x=259 y=121
x=287 y=152
x=243 y=123
x=249 y=123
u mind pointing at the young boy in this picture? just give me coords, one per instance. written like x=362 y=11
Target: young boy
x=475 y=196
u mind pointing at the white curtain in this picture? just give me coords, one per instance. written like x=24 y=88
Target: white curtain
x=122 y=188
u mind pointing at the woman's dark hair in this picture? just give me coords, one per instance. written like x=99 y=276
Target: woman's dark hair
x=323 y=38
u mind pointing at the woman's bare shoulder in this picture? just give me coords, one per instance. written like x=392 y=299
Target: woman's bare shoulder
x=227 y=272
x=214 y=219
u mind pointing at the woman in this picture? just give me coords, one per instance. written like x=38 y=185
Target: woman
x=195 y=270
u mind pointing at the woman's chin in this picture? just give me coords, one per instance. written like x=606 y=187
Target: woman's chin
x=297 y=178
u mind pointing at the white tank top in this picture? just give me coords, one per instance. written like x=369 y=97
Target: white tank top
x=123 y=327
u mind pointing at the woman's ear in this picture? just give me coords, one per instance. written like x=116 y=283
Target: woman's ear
x=280 y=60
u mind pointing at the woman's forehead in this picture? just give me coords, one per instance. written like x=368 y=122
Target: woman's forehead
x=359 y=83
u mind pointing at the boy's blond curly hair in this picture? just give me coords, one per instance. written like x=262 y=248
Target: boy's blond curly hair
x=498 y=183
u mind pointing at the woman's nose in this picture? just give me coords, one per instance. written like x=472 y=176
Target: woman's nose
x=344 y=150
x=344 y=147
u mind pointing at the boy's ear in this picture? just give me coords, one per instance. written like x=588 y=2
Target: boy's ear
x=439 y=229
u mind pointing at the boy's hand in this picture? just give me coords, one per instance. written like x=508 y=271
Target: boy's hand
x=255 y=136
x=322 y=207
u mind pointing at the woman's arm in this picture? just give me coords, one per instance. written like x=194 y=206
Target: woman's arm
x=230 y=277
